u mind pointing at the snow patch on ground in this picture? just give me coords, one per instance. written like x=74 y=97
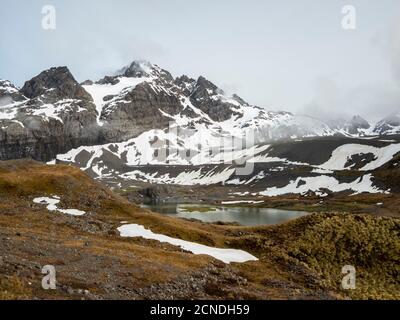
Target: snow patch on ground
x=315 y=184
x=243 y=201
x=52 y=205
x=9 y=110
x=342 y=154
x=194 y=177
x=224 y=255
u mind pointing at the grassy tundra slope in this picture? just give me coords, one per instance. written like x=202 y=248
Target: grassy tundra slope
x=301 y=259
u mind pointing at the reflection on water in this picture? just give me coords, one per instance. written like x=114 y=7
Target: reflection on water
x=244 y=215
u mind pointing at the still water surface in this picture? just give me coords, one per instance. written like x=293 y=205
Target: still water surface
x=247 y=216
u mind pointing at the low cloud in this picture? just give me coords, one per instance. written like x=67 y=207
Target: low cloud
x=374 y=101
x=371 y=102
x=394 y=50
x=5 y=101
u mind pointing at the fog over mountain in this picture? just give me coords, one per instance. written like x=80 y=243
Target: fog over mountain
x=274 y=54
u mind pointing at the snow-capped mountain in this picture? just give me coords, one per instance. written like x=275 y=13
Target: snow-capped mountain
x=53 y=113
x=355 y=126
x=143 y=125
x=50 y=114
x=319 y=165
x=389 y=125
x=143 y=96
x=9 y=93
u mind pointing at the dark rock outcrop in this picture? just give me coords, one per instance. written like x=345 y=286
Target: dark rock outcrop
x=53 y=113
x=140 y=69
x=205 y=97
x=60 y=80
x=356 y=124
x=59 y=115
x=138 y=111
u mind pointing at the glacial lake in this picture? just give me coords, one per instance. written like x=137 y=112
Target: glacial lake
x=248 y=216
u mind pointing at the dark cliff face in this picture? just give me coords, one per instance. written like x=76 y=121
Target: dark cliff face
x=34 y=131
x=42 y=139
x=61 y=80
x=137 y=111
x=38 y=140
x=205 y=97
x=55 y=113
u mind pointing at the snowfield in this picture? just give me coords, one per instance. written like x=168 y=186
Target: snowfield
x=99 y=91
x=184 y=150
x=303 y=185
x=242 y=202
x=224 y=255
x=52 y=205
x=195 y=177
x=343 y=153
x=139 y=152
x=202 y=145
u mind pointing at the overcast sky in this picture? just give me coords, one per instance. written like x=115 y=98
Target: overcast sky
x=280 y=54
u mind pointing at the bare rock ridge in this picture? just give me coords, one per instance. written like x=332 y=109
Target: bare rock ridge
x=52 y=113
x=203 y=96
x=60 y=80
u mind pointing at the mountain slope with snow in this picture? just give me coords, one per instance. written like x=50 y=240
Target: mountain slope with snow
x=124 y=125
x=389 y=125
x=52 y=113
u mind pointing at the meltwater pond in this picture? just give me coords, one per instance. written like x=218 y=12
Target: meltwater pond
x=247 y=216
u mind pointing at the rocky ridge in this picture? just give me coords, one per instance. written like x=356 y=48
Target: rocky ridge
x=52 y=113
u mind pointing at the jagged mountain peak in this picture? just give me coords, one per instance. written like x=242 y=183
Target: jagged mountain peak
x=6 y=84
x=144 y=69
x=357 y=119
x=389 y=125
x=137 y=69
x=142 y=97
x=357 y=124
x=9 y=93
x=7 y=88
x=204 y=89
x=206 y=86
x=239 y=99
x=184 y=78
x=59 y=79
x=200 y=91
x=185 y=83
